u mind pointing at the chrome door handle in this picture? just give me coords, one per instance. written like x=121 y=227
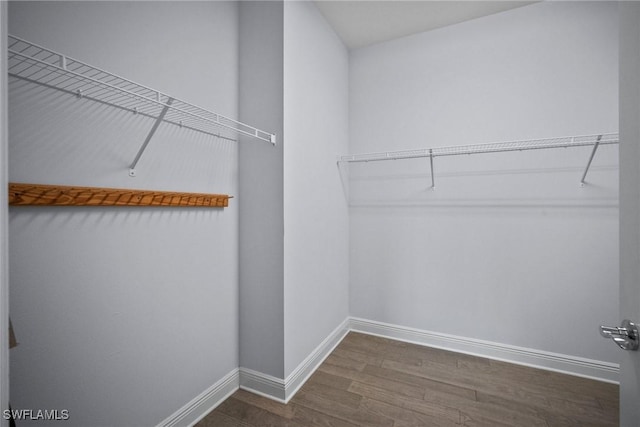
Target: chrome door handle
x=626 y=336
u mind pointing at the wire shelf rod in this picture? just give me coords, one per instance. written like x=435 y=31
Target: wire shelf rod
x=133 y=110
x=495 y=147
x=106 y=89
x=44 y=66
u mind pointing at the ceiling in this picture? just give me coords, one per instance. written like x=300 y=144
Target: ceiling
x=362 y=23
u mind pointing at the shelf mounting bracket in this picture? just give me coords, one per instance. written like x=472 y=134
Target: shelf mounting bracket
x=593 y=153
x=433 y=183
x=132 y=168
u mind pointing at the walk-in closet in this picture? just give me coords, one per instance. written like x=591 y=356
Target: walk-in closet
x=288 y=205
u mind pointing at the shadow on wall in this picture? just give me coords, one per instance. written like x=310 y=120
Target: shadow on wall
x=546 y=178
x=59 y=138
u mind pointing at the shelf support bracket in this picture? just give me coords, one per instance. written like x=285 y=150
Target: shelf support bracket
x=593 y=153
x=132 y=168
x=433 y=183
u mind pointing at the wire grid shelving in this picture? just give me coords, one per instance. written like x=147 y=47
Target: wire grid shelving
x=493 y=147
x=40 y=65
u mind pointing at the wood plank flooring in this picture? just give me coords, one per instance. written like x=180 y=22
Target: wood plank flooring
x=370 y=381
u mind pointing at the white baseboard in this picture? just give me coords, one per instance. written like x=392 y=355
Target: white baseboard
x=256 y=382
x=262 y=384
x=301 y=374
x=283 y=390
x=572 y=365
x=205 y=402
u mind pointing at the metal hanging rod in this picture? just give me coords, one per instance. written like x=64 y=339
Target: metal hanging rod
x=494 y=147
x=40 y=65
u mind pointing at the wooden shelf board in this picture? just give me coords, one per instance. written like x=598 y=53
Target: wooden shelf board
x=60 y=195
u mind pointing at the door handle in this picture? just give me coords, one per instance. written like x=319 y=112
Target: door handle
x=626 y=336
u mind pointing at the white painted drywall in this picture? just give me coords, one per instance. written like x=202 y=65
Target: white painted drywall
x=293 y=217
x=629 y=203
x=508 y=248
x=261 y=190
x=124 y=314
x=316 y=238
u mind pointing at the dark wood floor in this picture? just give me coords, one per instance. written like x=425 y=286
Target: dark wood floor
x=370 y=381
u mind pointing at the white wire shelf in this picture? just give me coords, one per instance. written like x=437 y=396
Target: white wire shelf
x=40 y=65
x=494 y=147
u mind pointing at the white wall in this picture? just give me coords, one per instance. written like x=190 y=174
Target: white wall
x=316 y=238
x=261 y=190
x=508 y=248
x=124 y=314
x=294 y=217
